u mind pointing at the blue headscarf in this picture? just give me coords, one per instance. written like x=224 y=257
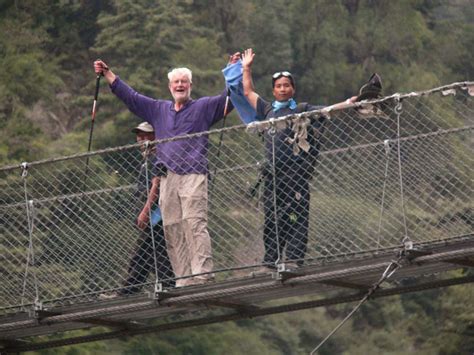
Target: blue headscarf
x=277 y=105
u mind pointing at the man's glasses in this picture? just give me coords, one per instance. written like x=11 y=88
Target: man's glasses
x=279 y=74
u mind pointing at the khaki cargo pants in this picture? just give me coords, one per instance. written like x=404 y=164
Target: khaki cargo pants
x=183 y=203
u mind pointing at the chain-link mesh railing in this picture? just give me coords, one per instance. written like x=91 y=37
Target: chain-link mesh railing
x=288 y=191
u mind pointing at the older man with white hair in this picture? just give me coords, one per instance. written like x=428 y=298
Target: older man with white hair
x=183 y=191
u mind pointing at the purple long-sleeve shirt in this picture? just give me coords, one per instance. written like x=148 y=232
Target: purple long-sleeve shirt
x=183 y=156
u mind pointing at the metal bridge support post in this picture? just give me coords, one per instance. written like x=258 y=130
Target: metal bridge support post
x=158 y=284
x=272 y=132
x=30 y=259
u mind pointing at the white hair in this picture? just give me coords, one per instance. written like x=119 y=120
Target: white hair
x=181 y=71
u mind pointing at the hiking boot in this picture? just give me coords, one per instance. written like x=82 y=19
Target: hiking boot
x=291 y=265
x=199 y=281
x=192 y=281
x=181 y=283
x=262 y=270
x=170 y=284
x=109 y=296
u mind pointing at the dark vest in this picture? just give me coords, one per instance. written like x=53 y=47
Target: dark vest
x=286 y=162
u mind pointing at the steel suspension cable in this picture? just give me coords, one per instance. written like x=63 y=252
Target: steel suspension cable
x=405 y=241
x=30 y=255
x=398 y=111
x=152 y=235
x=389 y=271
x=272 y=133
x=382 y=204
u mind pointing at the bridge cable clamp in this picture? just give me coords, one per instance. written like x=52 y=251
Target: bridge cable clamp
x=398 y=107
x=158 y=292
x=24 y=169
x=272 y=131
x=407 y=243
x=386 y=144
x=159 y=287
x=36 y=308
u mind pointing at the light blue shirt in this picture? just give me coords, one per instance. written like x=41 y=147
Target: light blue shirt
x=155 y=217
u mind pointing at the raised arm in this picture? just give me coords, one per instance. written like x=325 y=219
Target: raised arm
x=141 y=105
x=249 y=92
x=341 y=105
x=219 y=106
x=101 y=68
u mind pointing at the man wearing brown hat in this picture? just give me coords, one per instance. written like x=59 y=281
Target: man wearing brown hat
x=150 y=253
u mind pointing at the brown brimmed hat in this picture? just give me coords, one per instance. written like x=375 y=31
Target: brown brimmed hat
x=143 y=127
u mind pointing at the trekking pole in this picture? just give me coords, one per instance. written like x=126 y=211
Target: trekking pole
x=94 y=110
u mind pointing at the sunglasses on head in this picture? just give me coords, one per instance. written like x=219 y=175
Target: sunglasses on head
x=285 y=74
x=279 y=74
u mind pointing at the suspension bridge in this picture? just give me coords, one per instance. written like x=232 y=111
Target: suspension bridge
x=391 y=212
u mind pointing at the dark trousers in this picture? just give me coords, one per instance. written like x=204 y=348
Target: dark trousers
x=292 y=206
x=142 y=261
